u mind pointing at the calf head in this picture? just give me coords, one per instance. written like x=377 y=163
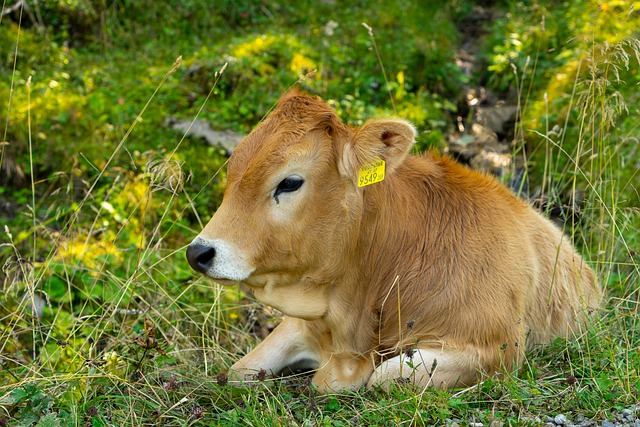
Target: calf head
x=290 y=216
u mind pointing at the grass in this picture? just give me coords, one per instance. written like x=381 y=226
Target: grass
x=104 y=323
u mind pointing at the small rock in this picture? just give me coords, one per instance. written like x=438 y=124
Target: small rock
x=560 y=419
x=490 y=161
x=463 y=145
x=476 y=425
x=483 y=135
x=607 y=423
x=550 y=424
x=200 y=129
x=499 y=118
x=496 y=424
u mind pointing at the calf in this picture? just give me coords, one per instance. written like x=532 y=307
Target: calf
x=432 y=273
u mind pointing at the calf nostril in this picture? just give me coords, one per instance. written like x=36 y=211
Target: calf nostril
x=200 y=257
x=205 y=257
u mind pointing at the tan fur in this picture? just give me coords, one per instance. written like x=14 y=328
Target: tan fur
x=436 y=262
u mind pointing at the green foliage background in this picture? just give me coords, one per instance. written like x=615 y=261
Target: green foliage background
x=99 y=196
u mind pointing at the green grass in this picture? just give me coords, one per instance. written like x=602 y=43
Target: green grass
x=106 y=198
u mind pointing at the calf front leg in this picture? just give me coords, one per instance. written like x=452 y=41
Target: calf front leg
x=342 y=371
x=291 y=344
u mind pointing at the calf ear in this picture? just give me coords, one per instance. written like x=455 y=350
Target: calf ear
x=386 y=139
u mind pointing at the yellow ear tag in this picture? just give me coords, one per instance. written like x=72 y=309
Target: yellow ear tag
x=371 y=173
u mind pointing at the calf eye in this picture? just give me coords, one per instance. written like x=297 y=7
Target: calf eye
x=288 y=185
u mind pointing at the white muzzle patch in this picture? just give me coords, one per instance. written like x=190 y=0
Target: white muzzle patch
x=228 y=263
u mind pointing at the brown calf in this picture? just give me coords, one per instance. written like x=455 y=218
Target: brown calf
x=437 y=273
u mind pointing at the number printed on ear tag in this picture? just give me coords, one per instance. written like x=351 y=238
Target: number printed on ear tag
x=371 y=173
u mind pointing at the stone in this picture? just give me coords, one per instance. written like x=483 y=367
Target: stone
x=489 y=161
x=200 y=129
x=627 y=414
x=462 y=145
x=483 y=135
x=498 y=118
x=560 y=419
